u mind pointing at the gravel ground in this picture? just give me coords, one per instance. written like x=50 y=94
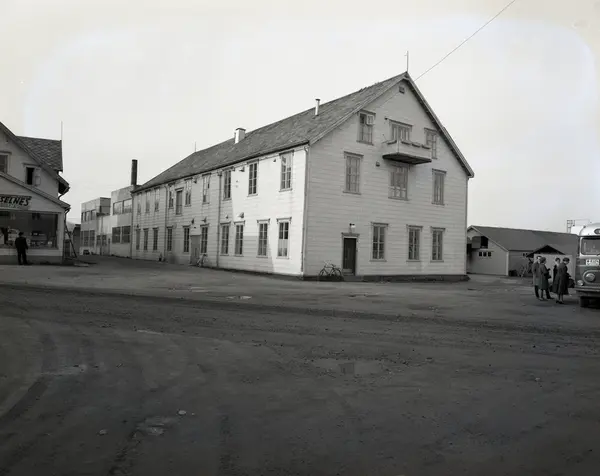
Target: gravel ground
x=477 y=382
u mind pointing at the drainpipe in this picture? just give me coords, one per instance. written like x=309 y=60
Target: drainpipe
x=305 y=211
x=220 y=174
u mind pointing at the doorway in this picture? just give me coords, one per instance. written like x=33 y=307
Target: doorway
x=349 y=256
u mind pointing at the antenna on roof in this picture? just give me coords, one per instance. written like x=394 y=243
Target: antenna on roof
x=407 y=60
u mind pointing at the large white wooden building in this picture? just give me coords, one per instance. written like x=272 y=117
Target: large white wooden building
x=371 y=182
x=31 y=188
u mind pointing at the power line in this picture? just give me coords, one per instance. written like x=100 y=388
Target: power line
x=468 y=38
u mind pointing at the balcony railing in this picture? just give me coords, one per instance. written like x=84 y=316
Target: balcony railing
x=407 y=152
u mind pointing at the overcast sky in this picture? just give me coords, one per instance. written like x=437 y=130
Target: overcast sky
x=147 y=79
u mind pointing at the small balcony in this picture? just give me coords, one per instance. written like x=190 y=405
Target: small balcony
x=406 y=152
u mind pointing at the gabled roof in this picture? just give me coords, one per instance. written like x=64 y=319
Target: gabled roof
x=300 y=129
x=47 y=150
x=515 y=239
x=560 y=249
x=35 y=190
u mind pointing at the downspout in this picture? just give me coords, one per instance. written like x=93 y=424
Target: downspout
x=305 y=211
x=466 y=225
x=220 y=174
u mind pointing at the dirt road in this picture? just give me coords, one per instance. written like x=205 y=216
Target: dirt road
x=128 y=385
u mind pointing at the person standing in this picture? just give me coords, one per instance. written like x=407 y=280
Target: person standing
x=543 y=281
x=21 y=246
x=535 y=271
x=562 y=284
x=555 y=275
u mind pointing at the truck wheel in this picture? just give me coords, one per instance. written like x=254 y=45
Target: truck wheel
x=584 y=302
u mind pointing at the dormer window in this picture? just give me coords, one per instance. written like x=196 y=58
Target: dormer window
x=366 y=121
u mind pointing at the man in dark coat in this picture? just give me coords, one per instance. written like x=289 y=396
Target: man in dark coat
x=21 y=246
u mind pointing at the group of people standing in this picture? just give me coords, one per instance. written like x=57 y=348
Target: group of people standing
x=560 y=279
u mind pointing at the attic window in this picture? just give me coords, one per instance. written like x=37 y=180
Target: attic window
x=365 y=127
x=4 y=163
x=484 y=242
x=32 y=176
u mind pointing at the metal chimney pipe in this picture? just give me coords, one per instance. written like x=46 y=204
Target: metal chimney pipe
x=134 y=172
x=318 y=101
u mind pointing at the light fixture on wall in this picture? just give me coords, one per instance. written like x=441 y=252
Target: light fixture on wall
x=241 y=215
x=204 y=219
x=377 y=164
x=351 y=227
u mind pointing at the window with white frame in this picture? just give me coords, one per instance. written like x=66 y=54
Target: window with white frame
x=116 y=234
x=225 y=239
x=203 y=239
x=32 y=176
x=378 y=251
x=186 y=239
x=137 y=239
x=227 y=185
x=118 y=208
x=239 y=239
x=145 y=239
x=284 y=239
x=353 y=173
x=170 y=198
x=188 y=193
x=399 y=182
x=431 y=139
x=286 y=171
x=156 y=199
x=263 y=238
x=178 y=202
x=126 y=234
x=439 y=178
x=366 y=122
x=253 y=178
x=206 y=189
x=155 y=239
x=437 y=244
x=414 y=243
x=4 y=163
x=127 y=206
x=170 y=238
x=400 y=131
x=148 y=202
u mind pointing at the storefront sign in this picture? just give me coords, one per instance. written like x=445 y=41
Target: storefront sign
x=15 y=202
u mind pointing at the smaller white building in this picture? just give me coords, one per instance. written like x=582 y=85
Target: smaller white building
x=30 y=190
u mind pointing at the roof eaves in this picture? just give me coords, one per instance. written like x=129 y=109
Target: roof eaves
x=274 y=150
x=35 y=190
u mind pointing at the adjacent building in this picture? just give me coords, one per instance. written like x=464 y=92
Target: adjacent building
x=31 y=188
x=507 y=251
x=371 y=182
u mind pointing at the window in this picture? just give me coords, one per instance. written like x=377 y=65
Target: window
x=186 y=239
x=378 y=242
x=178 y=202
x=92 y=237
x=205 y=189
x=263 y=230
x=32 y=176
x=353 y=173
x=147 y=202
x=137 y=239
x=85 y=235
x=239 y=239
x=437 y=244
x=438 y=187
x=414 y=243
x=203 y=239
x=399 y=182
x=485 y=254
x=252 y=178
x=145 y=239
x=227 y=185
x=365 y=127
x=116 y=234
x=188 y=193
x=400 y=131
x=127 y=206
x=431 y=140
x=82 y=217
x=139 y=206
x=170 y=198
x=99 y=240
x=284 y=238
x=286 y=171
x=170 y=239
x=224 y=239
x=156 y=199
x=117 y=208
x=4 y=163
x=154 y=239
x=126 y=234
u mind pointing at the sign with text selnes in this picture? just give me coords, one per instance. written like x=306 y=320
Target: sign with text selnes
x=18 y=202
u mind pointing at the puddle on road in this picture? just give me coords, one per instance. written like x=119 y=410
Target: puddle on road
x=350 y=367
